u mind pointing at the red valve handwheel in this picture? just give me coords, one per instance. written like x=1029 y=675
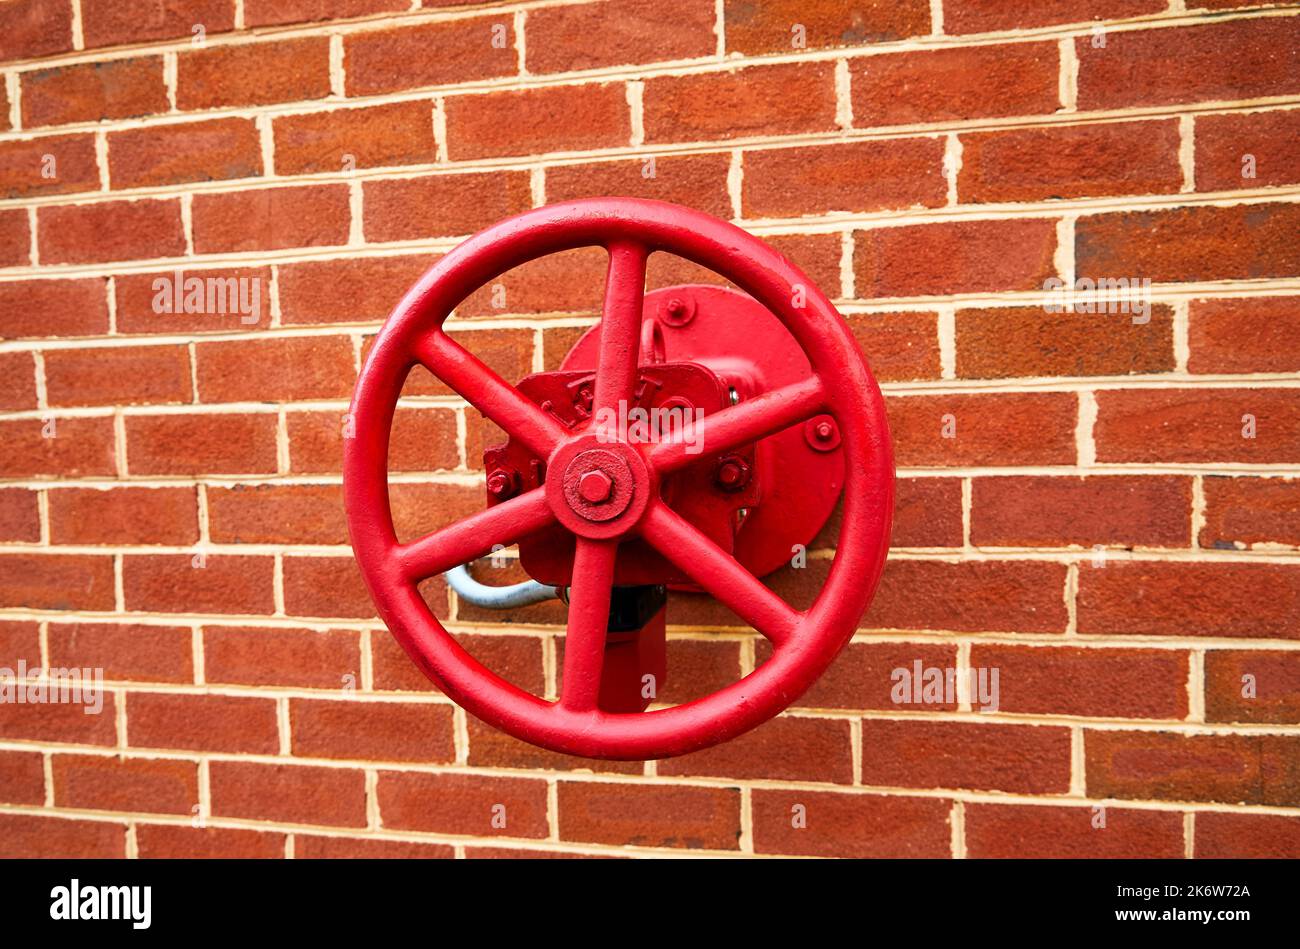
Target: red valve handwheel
x=804 y=643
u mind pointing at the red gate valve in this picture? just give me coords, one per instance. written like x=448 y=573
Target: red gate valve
x=790 y=419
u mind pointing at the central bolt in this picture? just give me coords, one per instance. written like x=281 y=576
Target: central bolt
x=595 y=486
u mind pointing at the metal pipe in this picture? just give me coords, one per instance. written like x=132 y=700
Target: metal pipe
x=497 y=598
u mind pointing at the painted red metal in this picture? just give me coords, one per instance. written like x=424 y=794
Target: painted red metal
x=838 y=384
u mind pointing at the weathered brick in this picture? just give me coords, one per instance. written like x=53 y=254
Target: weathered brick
x=1190 y=599
x=253 y=73
x=118 y=375
x=294 y=794
x=697 y=181
x=101 y=783
x=64 y=447
x=430 y=54
x=1249 y=334
x=31 y=28
x=1248 y=512
x=274 y=370
x=201 y=444
x=538 y=120
x=371 y=731
x=978 y=596
x=1223 y=143
x=1236 y=769
x=1029 y=428
x=15 y=238
x=173 y=842
x=27 y=836
x=468 y=804
x=560 y=38
x=445 y=204
x=91 y=92
x=110 y=230
x=218 y=299
x=1024 y=759
x=125 y=651
x=787 y=748
x=307 y=847
x=1252 y=685
x=650 y=815
x=399 y=133
x=851 y=825
x=325 y=586
x=17 y=381
x=115 y=22
x=199 y=583
x=1044 y=511
x=156 y=155
x=20 y=518
x=271 y=218
x=352 y=290
x=77 y=307
x=1221 y=835
x=22 y=777
x=53 y=164
x=249 y=655
x=955 y=84
x=954 y=257
x=986 y=16
x=123 y=515
x=225 y=723
x=278 y=12
x=1018 y=832
x=56 y=581
x=782 y=99
x=277 y=514
x=852 y=176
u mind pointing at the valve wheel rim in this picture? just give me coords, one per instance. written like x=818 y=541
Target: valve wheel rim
x=841 y=384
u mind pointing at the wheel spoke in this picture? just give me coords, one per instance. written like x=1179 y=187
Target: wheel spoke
x=499 y=526
x=720 y=574
x=482 y=388
x=741 y=424
x=620 y=325
x=584 y=640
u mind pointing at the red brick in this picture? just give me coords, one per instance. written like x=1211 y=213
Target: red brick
x=1191 y=599
x=174 y=583
x=422 y=440
x=123 y=515
x=306 y=658
x=1087 y=682
x=75 y=447
x=770 y=27
x=696 y=668
x=1224 y=836
x=66 y=722
x=429 y=54
x=289 y=793
x=325 y=586
x=508 y=352
x=851 y=825
x=492 y=748
x=538 y=120
x=1029 y=428
x=253 y=73
x=1075 y=161
x=15 y=239
x=399 y=133
x=862 y=675
x=987 y=16
x=560 y=38
x=276 y=12
x=954 y=257
x=170 y=842
x=22 y=777
x=100 y=783
x=32 y=28
x=271 y=218
x=466 y=804
x=91 y=92
x=222 y=723
x=19 y=641
x=1024 y=759
x=1006 y=342
x=351 y=290
x=1224 y=141
x=568 y=282
x=927 y=512
x=978 y=596
x=1119 y=511
x=148 y=303
x=1236 y=769
x=650 y=815
x=54 y=164
x=1249 y=334
x=1246 y=241
x=118 y=375
x=277 y=514
x=956 y=84
x=190 y=151
x=19 y=515
x=1198 y=425
x=899 y=346
x=851 y=176
x=697 y=181
x=782 y=99
x=262 y=370
x=1245 y=512
x=17 y=381
x=25 y=836
x=56 y=581
x=53 y=307
x=784 y=749
x=352 y=848
x=201 y=444
x=114 y=22
x=1241 y=59
x=1018 y=832
x=373 y=731
x=521 y=853
x=110 y=230
x=1273 y=694
x=517 y=659
x=125 y=651
x=5 y=124
x=446 y=204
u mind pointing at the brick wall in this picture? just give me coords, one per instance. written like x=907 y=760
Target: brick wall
x=1099 y=528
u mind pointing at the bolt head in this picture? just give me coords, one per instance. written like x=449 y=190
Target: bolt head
x=500 y=483
x=595 y=486
x=824 y=431
x=733 y=473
